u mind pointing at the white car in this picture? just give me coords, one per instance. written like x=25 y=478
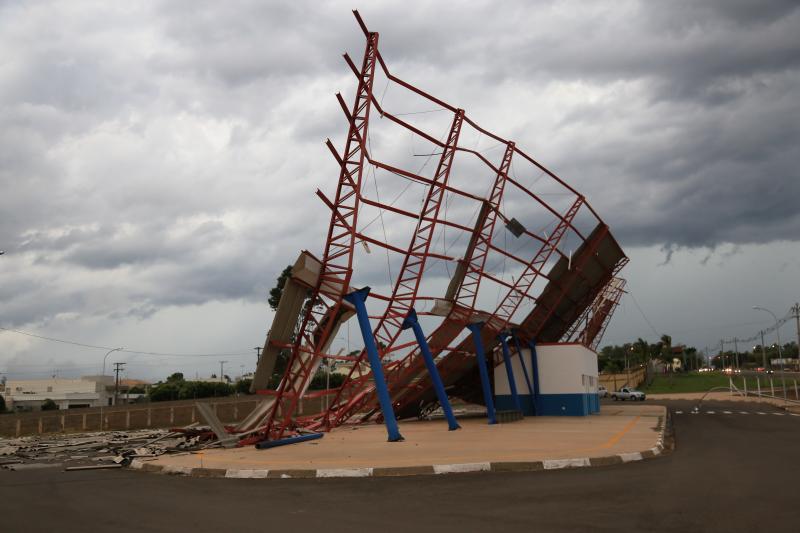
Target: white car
x=627 y=393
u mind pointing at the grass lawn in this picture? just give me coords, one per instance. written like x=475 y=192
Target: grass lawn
x=694 y=382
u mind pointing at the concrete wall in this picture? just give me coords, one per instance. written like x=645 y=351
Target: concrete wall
x=614 y=382
x=568 y=381
x=137 y=416
x=568 y=378
x=502 y=391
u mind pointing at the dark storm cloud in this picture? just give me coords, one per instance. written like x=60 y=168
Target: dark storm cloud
x=167 y=153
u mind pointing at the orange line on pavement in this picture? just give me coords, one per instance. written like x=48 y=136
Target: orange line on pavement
x=615 y=439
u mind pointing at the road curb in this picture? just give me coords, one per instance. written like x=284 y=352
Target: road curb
x=665 y=444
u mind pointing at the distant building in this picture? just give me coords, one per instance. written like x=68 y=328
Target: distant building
x=344 y=367
x=88 y=391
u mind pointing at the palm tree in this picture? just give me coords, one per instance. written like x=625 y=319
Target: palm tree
x=666 y=350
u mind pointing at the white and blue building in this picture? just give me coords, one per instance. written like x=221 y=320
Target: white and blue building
x=563 y=378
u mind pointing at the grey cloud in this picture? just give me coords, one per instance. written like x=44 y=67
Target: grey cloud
x=167 y=154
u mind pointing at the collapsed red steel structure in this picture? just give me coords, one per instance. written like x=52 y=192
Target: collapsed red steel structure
x=580 y=287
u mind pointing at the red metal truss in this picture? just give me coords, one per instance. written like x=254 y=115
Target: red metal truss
x=337 y=262
x=404 y=372
x=596 y=327
x=523 y=284
x=477 y=254
x=591 y=325
x=408 y=280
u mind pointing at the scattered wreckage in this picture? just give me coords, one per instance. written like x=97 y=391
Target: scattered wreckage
x=101 y=450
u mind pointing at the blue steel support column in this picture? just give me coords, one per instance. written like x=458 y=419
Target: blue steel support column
x=509 y=372
x=412 y=322
x=357 y=298
x=475 y=329
x=535 y=366
x=524 y=365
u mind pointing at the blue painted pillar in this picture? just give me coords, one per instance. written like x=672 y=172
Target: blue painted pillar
x=512 y=384
x=358 y=298
x=525 y=370
x=412 y=322
x=475 y=329
x=535 y=367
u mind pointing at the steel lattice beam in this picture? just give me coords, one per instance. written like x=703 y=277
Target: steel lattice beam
x=401 y=362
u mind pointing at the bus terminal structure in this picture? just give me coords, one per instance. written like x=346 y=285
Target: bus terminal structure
x=475 y=254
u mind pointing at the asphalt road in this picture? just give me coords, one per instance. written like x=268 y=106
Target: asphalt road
x=730 y=472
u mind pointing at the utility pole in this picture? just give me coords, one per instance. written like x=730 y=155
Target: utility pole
x=221 y=364
x=796 y=311
x=258 y=353
x=763 y=351
x=722 y=353
x=736 y=351
x=117 y=368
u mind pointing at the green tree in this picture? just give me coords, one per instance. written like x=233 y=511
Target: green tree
x=666 y=350
x=164 y=392
x=642 y=348
x=2 y=405
x=49 y=405
x=277 y=291
x=320 y=380
x=177 y=377
x=243 y=386
x=692 y=358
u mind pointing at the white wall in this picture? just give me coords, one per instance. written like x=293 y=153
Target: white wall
x=562 y=368
x=90 y=389
x=501 y=380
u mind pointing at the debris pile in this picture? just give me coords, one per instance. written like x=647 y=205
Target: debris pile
x=105 y=449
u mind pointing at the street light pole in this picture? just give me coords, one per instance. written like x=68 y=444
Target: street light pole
x=796 y=311
x=106 y=357
x=780 y=355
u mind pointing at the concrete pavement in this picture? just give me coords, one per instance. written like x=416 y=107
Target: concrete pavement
x=620 y=431
x=727 y=474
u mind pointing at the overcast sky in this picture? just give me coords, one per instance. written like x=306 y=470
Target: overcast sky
x=158 y=160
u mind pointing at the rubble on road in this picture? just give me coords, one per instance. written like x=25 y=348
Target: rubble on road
x=103 y=449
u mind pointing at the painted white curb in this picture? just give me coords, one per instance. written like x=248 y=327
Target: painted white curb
x=554 y=464
x=247 y=474
x=633 y=456
x=344 y=472
x=461 y=468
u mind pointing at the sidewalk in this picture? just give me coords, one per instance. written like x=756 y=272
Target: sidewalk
x=724 y=396
x=618 y=434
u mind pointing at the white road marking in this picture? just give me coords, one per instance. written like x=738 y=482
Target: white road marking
x=727 y=412
x=778 y=414
x=793 y=414
x=744 y=413
x=710 y=412
x=760 y=413
x=681 y=412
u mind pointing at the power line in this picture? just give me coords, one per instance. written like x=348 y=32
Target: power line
x=770 y=329
x=139 y=352
x=642 y=313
